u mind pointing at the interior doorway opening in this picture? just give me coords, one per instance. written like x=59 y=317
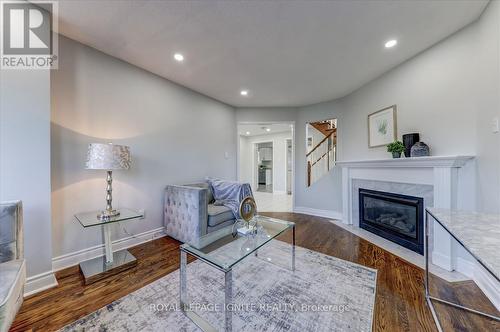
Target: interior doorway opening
x=266 y=161
x=263 y=163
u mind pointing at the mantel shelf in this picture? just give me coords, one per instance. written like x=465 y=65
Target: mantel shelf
x=415 y=162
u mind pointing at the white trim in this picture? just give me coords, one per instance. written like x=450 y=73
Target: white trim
x=279 y=192
x=432 y=161
x=442 y=260
x=74 y=258
x=286 y=165
x=318 y=212
x=465 y=267
x=46 y=280
x=40 y=282
x=489 y=286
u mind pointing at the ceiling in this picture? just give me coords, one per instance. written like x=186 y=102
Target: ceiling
x=286 y=53
x=260 y=129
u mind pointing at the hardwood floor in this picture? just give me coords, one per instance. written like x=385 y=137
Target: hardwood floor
x=400 y=302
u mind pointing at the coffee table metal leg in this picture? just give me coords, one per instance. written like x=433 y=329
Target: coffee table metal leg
x=228 y=281
x=293 y=248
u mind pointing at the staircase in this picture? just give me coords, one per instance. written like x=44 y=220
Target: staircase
x=325 y=127
x=321 y=158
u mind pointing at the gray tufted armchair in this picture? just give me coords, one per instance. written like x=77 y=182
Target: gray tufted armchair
x=12 y=264
x=189 y=212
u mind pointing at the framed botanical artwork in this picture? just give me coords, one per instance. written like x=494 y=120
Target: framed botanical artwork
x=382 y=128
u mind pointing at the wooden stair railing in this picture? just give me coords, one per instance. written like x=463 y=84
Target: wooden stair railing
x=321 y=142
x=311 y=163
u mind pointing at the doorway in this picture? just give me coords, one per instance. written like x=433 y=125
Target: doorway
x=266 y=161
x=264 y=166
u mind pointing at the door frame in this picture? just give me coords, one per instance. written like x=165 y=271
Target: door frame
x=286 y=163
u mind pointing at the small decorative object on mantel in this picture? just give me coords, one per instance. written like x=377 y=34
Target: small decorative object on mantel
x=409 y=140
x=248 y=209
x=396 y=148
x=382 y=127
x=420 y=149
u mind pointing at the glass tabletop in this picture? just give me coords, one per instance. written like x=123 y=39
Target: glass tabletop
x=89 y=219
x=226 y=247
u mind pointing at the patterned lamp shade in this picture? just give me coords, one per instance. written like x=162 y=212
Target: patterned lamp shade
x=108 y=156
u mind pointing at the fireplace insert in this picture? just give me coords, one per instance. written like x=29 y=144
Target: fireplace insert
x=398 y=218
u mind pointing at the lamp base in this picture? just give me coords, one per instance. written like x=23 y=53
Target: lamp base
x=108 y=214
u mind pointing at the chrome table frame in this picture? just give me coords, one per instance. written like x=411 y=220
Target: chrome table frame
x=429 y=298
x=228 y=289
x=111 y=263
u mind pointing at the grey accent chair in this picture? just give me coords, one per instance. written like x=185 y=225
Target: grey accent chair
x=12 y=264
x=189 y=212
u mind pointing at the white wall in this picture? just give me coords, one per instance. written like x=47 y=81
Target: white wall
x=176 y=136
x=325 y=194
x=247 y=163
x=266 y=114
x=25 y=160
x=448 y=93
x=487 y=84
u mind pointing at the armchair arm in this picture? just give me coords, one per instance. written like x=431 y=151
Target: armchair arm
x=185 y=212
x=11 y=231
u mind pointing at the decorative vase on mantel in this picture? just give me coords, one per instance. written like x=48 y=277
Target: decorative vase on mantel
x=409 y=140
x=396 y=155
x=420 y=149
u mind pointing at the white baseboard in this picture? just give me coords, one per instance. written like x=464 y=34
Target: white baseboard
x=465 y=267
x=74 y=258
x=489 y=285
x=441 y=260
x=318 y=212
x=39 y=282
x=279 y=192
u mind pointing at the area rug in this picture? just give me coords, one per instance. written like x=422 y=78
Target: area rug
x=323 y=294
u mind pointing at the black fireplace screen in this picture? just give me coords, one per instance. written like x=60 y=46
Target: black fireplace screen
x=396 y=217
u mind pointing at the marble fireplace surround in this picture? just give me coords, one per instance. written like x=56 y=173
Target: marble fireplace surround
x=442 y=181
x=424 y=191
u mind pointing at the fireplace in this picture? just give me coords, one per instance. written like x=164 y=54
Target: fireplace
x=398 y=218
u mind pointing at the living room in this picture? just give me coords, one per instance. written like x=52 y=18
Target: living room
x=406 y=95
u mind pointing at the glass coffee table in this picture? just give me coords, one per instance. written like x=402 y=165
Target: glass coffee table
x=217 y=249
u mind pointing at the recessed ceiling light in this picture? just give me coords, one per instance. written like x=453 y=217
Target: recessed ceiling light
x=248 y=133
x=268 y=129
x=244 y=92
x=179 y=57
x=391 y=43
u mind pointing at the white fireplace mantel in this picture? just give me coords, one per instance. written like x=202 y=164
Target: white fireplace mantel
x=441 y=172
x=432 y=161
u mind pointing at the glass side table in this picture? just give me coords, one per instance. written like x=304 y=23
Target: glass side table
x=112 y=262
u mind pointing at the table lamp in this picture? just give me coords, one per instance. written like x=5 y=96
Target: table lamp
x=108 y=157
